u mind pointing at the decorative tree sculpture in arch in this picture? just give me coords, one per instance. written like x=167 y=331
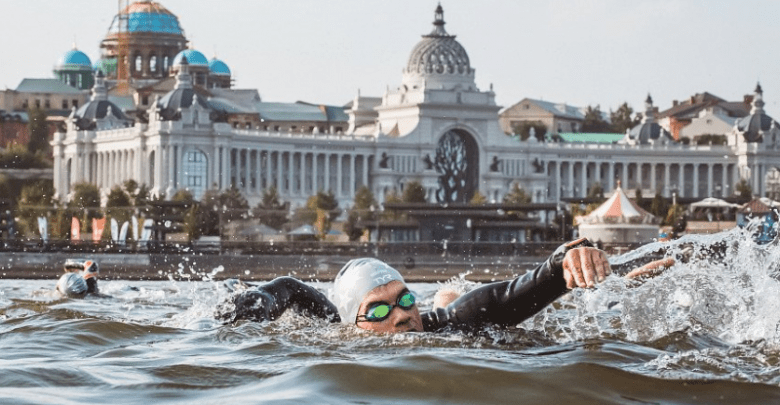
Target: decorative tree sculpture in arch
x=457 y=165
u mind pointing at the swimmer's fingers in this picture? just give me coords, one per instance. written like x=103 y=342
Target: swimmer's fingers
x=651 y=269
x=602 y=265
x=572 y=269
x=588 y=261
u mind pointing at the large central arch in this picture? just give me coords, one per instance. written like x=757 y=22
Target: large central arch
x=457 y=162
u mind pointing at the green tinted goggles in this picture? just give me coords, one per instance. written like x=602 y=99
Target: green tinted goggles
x=380 y=311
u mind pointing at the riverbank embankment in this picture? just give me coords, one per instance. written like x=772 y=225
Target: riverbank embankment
x=198 y=266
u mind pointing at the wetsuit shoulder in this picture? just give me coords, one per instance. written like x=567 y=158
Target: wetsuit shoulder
x=269 y=301
x=505 y=303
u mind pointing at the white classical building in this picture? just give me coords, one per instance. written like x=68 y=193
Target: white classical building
x=437 y=128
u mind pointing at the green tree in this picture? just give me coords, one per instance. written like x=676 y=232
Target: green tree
x=207 y=215
x=117 y=207
x=594 y=121
x=478 y=199
x=516 y=196
x=413 y=192
x=38 y=130
x=233 y=204
x=659 y=207
x=596 y=192
x=35 y=198
x=523 y=129
x=139 y=194
x=362 y=211
x=86 y=204
x=621 y=119
x=271 y=210
x=392 y=198
x=744 y=189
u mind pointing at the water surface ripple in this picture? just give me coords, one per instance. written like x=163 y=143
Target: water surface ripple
x=706 y=331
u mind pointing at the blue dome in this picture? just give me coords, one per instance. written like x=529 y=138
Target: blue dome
x=194 y=58
x=74 y=59
x=146 y=16
x=218 y=67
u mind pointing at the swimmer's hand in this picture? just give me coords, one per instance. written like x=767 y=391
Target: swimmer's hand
x=584 y=267
x=651 y=269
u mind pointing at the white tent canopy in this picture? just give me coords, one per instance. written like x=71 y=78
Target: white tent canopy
x=712 y=202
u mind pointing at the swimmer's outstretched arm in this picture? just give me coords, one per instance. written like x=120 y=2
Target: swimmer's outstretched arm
x=270 y=300
x=508 y=303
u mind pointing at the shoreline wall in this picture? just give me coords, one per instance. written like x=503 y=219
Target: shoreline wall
x=160 y=266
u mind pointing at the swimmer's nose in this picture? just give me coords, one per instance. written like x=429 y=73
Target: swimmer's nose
x=400 y=317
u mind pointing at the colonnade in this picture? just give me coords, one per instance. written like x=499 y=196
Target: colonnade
x=574 y=179
x=296 y=173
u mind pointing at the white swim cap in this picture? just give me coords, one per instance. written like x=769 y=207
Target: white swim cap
x=72 y=285
x=355 y=280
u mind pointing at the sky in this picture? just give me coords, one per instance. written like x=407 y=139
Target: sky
x=583 y=52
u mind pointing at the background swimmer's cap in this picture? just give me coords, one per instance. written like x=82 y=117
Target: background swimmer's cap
x=355 y=280
x=72 y=285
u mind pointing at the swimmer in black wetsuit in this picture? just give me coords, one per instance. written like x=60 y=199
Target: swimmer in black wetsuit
x=366 y=293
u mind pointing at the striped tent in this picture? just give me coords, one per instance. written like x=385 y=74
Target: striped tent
x=618 y=220
x=618 y=208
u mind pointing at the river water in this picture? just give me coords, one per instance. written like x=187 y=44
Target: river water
x=705 y=331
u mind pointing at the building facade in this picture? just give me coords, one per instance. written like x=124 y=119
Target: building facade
x=437 y=128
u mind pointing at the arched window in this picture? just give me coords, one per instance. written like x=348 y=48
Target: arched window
x=138 y=63
x=153 y=63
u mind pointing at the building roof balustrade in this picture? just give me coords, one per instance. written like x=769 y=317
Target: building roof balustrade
x=280 y=134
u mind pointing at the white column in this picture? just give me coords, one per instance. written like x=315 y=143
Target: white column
x=290 y=173
x=570 y=179
x=681 y=180
x=666 y=180
x=352 y=176
x=611 y=180
x=724 y=186
x=653 y=183
x=158 y=170
x=365 y=170
x=709 y=179
x=558 y=181
x=584 y=179
x=314 y=173
x=339 y=176
x=625 y=175
x=279 y=181
x=302 y=174
x=179 y=163
x=327 y=172
x=695 y=180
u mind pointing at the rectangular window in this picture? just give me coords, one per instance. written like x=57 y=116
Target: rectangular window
x=47 y=104
x=64 y=104
x=38 y=103
x=75 y=103
x=145 y=100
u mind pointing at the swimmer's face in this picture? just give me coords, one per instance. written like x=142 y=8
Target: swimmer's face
x=399 y=320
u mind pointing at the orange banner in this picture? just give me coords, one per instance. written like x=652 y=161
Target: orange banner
x=75 y=229
x=97 y=228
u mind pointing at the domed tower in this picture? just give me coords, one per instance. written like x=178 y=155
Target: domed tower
x=754 y=127
x=439 y=61
x=146 y=36
x=198 y=66
x=99 y=113
x=219 y=74
x=648 y=131
x=183 y=96
x=75 y=69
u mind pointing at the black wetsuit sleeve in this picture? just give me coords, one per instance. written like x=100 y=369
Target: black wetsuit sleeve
x=270 y=300
x=505 y=303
